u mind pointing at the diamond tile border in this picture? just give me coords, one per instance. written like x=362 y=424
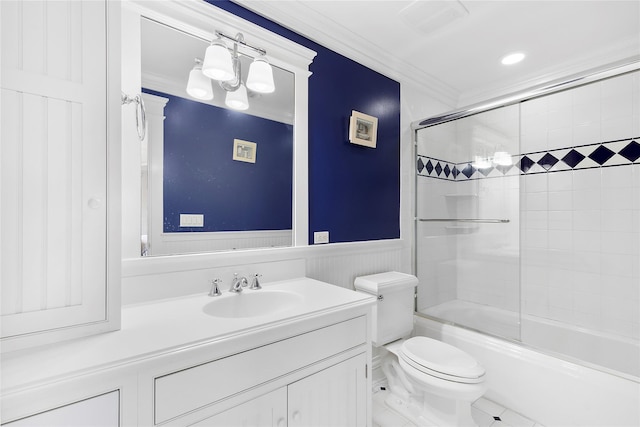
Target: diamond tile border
x=603 y=154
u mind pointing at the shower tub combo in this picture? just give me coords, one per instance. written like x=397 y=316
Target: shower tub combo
x=527 y=245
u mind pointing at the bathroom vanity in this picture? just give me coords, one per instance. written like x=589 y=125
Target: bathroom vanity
x=193 y=361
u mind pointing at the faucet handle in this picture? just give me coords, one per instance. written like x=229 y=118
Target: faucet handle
x=215 y=290
x=255 y=284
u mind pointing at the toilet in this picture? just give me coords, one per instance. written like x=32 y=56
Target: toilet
x=431 y=383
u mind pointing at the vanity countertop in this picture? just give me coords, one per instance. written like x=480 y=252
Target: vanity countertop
x=160 y=327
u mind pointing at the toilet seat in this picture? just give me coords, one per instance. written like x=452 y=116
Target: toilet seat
x=441 y=360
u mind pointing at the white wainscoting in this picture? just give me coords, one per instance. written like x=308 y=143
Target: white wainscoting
x=151 y=278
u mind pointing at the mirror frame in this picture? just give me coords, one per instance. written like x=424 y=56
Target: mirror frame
x=201 y=19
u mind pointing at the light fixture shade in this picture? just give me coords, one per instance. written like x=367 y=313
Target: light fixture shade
x=199 y=85
x=218 y=64
x=237 y=99
x=260 y=77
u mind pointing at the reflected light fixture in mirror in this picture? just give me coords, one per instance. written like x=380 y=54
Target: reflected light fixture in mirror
x=199 y=85
x=260 y=78
x=237 y=99
x=223 y=65
x=218 y=63
x=502 y=158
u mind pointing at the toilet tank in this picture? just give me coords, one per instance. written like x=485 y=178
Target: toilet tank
x=393 y=314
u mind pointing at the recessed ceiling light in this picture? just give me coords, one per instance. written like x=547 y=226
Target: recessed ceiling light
x=512 y=58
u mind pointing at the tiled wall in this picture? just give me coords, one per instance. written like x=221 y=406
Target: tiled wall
x=573 y=199
x=580 y=228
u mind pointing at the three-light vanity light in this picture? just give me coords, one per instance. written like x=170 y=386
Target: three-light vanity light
x=223 y=65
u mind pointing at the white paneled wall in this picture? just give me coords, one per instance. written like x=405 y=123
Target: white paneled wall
x=341 y=265
x=53 y=164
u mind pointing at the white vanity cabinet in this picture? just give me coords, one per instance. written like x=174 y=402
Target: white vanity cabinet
x=98 y=411
x=173 y=364
x=269 y=410
x=324 y=373
x=334 y=397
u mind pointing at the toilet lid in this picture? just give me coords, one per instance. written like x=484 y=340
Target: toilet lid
x=431 y=355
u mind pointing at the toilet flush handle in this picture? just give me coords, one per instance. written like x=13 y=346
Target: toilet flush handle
x=380 y=297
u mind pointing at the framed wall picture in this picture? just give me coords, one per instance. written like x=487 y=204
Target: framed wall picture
x=363 y=129
x=244 y=151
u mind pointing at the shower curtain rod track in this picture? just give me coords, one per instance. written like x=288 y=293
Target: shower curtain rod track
x=477 y=220
x=610 y=70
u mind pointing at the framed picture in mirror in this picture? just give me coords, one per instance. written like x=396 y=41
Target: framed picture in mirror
x=363 y=129
x=244 y=151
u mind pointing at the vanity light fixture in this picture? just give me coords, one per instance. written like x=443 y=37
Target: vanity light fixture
x=199 y=85
x=223 y=65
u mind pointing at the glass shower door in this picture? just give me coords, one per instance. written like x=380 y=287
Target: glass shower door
x=467 y=232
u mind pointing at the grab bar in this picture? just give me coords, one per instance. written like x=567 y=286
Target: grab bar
x=484 y=221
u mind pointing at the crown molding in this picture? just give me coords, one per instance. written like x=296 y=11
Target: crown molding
x=303 y=20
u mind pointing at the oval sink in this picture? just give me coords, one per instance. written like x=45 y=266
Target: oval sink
x=252 y=303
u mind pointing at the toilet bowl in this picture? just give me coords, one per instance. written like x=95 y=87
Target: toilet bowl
x=432 y=383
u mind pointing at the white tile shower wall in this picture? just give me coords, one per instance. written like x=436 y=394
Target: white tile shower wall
x=436 y=242
x=580 y=260
x=488 y=263
x=581 y=228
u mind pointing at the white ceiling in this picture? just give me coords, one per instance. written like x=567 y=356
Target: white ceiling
x=453 y=48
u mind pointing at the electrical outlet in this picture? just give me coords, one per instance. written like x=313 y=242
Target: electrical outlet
x=191 y=220
x=320 y=237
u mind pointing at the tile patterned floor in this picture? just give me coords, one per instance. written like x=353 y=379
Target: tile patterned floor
x=485 y=412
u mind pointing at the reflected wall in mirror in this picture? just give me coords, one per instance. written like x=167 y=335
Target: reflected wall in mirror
x=196 y=197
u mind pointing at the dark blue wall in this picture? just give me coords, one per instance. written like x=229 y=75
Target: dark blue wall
x=354 y=191
x=200 y=176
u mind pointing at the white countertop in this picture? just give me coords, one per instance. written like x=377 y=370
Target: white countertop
x=159 y=327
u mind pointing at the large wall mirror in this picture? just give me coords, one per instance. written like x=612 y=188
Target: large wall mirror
x=212 y=178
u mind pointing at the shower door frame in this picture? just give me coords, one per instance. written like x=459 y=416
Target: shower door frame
x=573 y=81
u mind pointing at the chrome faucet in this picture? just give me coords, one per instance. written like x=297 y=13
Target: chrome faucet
x=215 y=290
x=238 y=283
x=255 y=283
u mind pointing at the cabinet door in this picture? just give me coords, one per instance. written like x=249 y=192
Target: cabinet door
x=99 y=411
x=334 y=397
x=269 y=410
x=53 y=157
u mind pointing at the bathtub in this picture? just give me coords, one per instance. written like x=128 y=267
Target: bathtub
x=611 y=353
x=554 y=391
